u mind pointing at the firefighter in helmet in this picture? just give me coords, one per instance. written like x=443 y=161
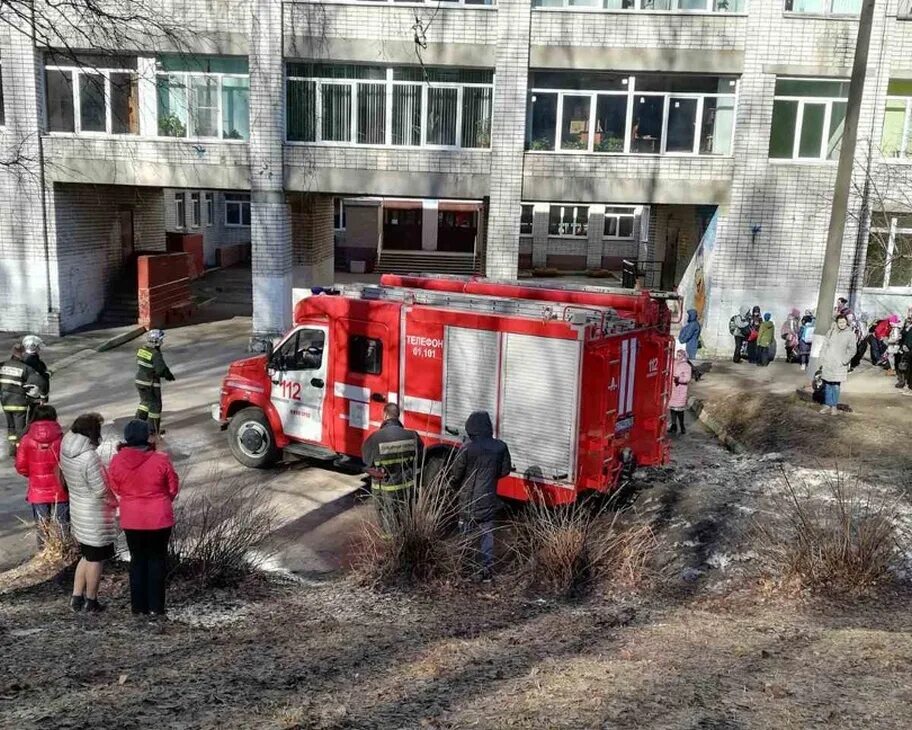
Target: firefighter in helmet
x=32 y=345
x=392 y=458
x=150 y=369
x=20 y=388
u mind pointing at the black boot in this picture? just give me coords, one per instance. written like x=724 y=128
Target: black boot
x=76 y=603
x=93 y=606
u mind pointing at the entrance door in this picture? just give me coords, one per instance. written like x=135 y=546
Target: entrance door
x=363 y=364
x=299 y=382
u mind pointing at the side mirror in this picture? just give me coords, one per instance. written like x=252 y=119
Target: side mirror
x=270 y=349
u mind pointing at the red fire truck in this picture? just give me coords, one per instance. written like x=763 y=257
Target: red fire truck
x=578 y=389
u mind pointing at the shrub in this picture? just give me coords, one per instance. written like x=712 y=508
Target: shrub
x=845 y=541
x=566 y=550
x=58 y=544
x=220 y=537
x=409 y=543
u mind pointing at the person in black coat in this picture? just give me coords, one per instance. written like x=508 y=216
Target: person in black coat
x=481 y=462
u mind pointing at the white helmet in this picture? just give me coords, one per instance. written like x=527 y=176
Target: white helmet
x=155 y=337
x=31 y=344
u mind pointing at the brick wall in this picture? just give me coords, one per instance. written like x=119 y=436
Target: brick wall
x=86 y=230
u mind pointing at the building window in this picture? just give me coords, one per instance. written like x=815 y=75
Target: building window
x=568 y=220
x=237 y=209
x=905 y=9
x=391 y=106
x=365 y=355
x=210 y=209
x=203 y=97
x=180 y=211
x=824 y=7
x=100 y=95
x=526 y=217
x=338 y=214
x=196 y=211
x=619 y=222
x=684 y=6
x=646 y=114
x=808 y=119
x=889 y=259
x=896 y=142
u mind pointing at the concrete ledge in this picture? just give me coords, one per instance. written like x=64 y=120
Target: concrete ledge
x=120 y=339
x=702 y=413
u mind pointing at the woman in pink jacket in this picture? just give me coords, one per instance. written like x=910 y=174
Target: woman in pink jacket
x=678 y=401
x=145 y=484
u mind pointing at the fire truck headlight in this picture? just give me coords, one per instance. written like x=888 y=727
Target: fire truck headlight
x=628 y=461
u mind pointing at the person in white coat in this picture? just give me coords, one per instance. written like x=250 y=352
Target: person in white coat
x=92 y=507
x=835 y=357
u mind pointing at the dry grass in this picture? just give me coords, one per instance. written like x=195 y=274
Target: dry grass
x=59 y=547
x=409 y=544
x=218 y=539
x=567 y=550
x=844 y=542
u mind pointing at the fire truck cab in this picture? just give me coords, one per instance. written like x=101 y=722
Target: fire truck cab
x=577 y=390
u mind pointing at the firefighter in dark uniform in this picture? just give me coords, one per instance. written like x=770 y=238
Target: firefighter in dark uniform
x=19 y=388
x=32 y=345
x=150 y=369
x=392 y=458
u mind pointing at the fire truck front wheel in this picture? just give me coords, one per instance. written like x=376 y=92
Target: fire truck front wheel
x=251 y=440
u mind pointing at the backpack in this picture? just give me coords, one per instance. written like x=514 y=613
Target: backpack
x=807 y=332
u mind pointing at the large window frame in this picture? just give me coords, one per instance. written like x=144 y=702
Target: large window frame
x=827 y=7
x=620 y=223
x=180 y=211
x=880 y=234
x=803 y=101
x=572 y=221
x=239 y=204
x=76 y=73
x=904 y=151
x=645 y=6
x=390 y=84
x=186 y=81
x=631 y=94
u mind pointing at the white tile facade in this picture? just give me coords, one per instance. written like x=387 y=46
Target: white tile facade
x=776 y=268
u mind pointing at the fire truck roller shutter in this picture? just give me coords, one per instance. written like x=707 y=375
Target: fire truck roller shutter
x=540 y=405
x=470 y=375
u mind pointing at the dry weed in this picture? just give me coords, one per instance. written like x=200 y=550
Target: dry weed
x=844 y=542
x=409 y=542
x=58 y=545
x=567 y=550
x=218 y=539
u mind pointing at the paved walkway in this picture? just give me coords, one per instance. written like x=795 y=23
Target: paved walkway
x=868 y=388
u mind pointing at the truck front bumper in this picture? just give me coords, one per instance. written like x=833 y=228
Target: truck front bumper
x=216 y=412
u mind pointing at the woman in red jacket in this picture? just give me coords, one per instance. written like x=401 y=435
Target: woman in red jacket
x=38 y=459
x=145 y=484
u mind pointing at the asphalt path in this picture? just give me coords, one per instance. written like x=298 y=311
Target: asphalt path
x=317 y=507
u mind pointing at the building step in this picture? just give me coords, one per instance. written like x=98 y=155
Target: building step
x=409 y=263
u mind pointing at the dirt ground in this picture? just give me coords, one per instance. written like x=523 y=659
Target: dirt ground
x=705 y=641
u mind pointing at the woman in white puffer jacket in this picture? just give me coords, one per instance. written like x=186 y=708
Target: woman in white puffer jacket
x=92 y=507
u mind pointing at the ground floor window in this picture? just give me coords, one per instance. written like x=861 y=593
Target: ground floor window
x=525 y=220
x=180 y=211
x=338 y=214
x=237 y=209
x=196 y=209
x=210 y=209
x=889 y=257
x=568 y=220
x=619 y=222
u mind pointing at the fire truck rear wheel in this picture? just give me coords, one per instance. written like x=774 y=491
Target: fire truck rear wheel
x=251 y=439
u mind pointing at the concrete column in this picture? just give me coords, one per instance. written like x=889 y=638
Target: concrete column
x=508 y=131
x=540 y=215
x=429 y=225
x=313 y=242
x=29 y=283
x=595 y=240
x=270 y=231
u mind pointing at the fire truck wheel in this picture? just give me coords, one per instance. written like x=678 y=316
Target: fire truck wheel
x=250 y=439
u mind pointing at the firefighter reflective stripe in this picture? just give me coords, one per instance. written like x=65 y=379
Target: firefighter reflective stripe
x=10 y=381
x=145 y=364
x=392 y=487
x=10 y=409
x=143 y=354
x=147 y=383
x=141 y=407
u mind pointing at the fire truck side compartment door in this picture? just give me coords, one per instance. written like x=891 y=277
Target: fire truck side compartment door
x=540 y=405
x=470 y=375
x=299 y=383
